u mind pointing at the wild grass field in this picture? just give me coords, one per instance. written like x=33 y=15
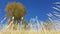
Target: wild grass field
x=30 y=32
x=14 y=18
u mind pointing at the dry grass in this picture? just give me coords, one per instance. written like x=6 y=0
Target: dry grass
x=6 y=30
x=22 y=31
x=29 y=32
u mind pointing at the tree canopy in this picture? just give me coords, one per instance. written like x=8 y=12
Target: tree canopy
x=15 y=9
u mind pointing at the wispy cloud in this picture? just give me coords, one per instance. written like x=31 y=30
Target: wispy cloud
x=57 y=15
x=55 y=12
x=56 y=3
x=49 y=15
x=3 y=20
x=55 y=22
x=56 y=8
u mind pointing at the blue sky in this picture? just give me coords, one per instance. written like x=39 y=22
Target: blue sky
x=34 y=8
